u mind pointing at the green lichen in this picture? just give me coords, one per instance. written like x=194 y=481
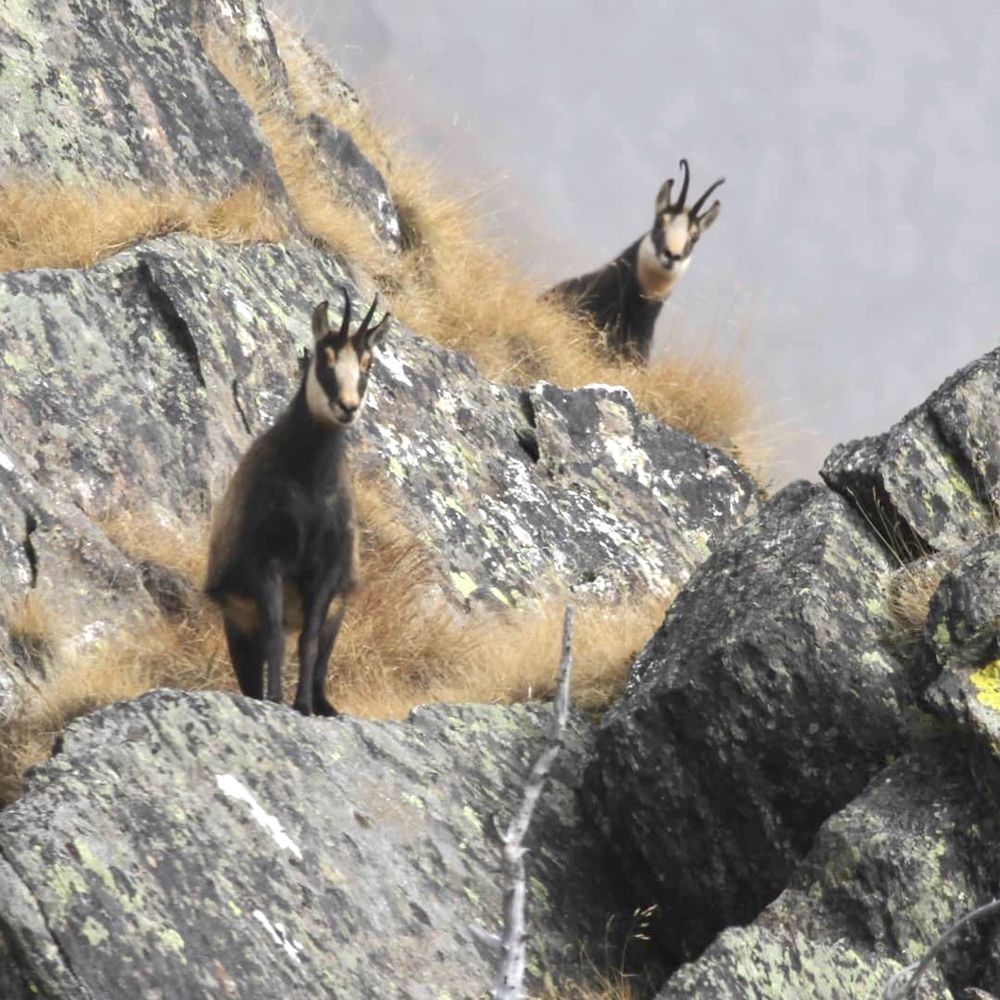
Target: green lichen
x=464 y=584
x=169 y=938
x=94 y=932
x=93 y=863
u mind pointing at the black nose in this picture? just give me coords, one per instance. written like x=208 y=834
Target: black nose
x=348 y=407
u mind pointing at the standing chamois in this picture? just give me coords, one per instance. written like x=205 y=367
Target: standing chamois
x=624 y=297
x=284 y=540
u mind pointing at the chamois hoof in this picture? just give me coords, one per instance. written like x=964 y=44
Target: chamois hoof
x=323 y=707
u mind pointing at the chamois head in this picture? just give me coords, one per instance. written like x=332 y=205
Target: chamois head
x=337 y=379
x=677 y=228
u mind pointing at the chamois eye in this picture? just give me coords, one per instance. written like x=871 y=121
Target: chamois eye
x=366 y=363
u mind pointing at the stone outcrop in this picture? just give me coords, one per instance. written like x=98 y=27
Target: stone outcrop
x=930 y=482
x=765 y=702
x=885 y=877
x=962 y=649
x=112 y=91
x=768 y=779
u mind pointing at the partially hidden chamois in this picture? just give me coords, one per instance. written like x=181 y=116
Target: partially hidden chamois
x=284 y=541
x=624 y=297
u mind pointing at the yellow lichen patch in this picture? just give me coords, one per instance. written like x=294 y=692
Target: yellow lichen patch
x=987 y=684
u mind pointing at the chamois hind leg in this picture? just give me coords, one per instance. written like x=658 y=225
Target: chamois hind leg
x=327 y=640
x=309 y=643
x=247 y=658
x=272 y=630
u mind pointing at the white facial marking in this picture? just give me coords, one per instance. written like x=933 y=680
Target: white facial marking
x=675 y=236
x=348 y=373
x=655 y=280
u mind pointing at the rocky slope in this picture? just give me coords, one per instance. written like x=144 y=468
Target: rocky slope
x=805 y=797
x=213 y=846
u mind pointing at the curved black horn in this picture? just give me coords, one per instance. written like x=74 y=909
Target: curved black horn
x=682 y=197
x=345 y=323
x=696 y=207
x=368 y=317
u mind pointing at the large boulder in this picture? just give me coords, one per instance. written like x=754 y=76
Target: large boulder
x=194 y=845
x=108 y=90
x=886 y=876
x=962 y=647
x=932 y=481
x=765 y=702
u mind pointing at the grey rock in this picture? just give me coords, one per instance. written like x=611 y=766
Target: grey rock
x=933 y=480
x=194 y=845
x=765 y=702
x=112 y=90
x=962 y=646
x=355 y=177
x=887 y=875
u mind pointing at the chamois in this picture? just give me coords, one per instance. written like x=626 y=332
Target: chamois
x=284 y=541
x=624 y=298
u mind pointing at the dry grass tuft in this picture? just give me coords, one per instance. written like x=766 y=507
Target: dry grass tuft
x=599 y=986
x=402 y=644
x=54 y=225
x=911 y=589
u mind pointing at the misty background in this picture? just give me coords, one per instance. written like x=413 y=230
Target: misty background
x=854 y=262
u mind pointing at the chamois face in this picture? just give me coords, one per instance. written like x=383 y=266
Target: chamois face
x=676 y=228
x=337 y=380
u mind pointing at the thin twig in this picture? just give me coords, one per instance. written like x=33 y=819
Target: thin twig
x=902 y=983
x=508 y=983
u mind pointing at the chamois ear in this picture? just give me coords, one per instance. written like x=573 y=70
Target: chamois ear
x=663 y=198
x=321 y=320
x=709 y=217
x=377 y=332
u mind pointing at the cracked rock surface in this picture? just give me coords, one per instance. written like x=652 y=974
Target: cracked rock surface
x=206 y=845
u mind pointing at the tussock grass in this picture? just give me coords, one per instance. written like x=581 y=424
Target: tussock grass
x=911 y=589
x=402 y=643
x=600 y=986
x=53 y=225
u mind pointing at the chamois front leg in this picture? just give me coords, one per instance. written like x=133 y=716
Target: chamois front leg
x=248 y=661
x=272 y=632
x=327 y=640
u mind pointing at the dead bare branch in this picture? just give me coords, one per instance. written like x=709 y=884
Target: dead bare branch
x=902 y=983
x=508 y=983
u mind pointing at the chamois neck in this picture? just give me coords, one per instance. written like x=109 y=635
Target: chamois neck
x=310 y=445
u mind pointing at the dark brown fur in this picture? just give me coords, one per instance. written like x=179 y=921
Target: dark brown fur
x=620 y=298
x=284 y=543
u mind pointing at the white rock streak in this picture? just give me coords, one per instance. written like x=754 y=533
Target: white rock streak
x=279 y=935
x=235 y=789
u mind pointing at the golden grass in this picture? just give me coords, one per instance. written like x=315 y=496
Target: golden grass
x=402 y=644
x=54 y=225
x=911 y=589
x=600 y=986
